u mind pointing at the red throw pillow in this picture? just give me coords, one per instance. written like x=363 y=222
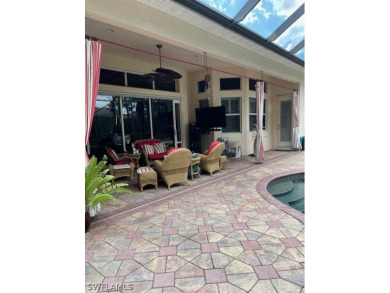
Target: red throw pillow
x=212 y=145
x=174 y=149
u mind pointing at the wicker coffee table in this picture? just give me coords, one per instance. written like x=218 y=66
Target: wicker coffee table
x=146 y=176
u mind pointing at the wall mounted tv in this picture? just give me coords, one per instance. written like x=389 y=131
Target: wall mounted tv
x=209 y=118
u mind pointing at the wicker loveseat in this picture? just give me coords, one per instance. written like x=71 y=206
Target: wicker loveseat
x=209 y=161
x=147 y=158
x=174 y=168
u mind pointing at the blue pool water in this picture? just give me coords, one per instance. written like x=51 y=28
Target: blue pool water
x=290 y=190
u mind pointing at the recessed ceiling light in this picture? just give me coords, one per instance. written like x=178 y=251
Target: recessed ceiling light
x=109 y=31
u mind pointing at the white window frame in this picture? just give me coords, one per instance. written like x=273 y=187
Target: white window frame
x=234 y=114
x=265 y=126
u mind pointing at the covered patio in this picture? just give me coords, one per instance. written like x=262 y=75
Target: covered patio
x=217 y=235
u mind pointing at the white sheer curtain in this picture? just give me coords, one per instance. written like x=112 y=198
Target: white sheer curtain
x=296 y=144
x=93 y=53
x=259 y=151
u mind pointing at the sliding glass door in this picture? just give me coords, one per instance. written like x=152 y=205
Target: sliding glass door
x=121 y=120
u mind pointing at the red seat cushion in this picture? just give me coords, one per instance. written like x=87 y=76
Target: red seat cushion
x=212 y=145
x=156 y=156
x=149 y=141
x=174 y=149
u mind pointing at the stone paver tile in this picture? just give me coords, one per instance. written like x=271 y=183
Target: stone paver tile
x=147 y=247
x=284 y=264
x=167 y=250
x=138 y=242
x=203 y=228
x=170 y=231
x=174 y=263
x=232 y=213
x=276 y=248
x=110 y=269
x=250 y=245
x=101 y=261
x=249 y=257
x=157 y=265
x=140 y=275
x=134 y=234
x=189 y=271
x=262 y=211
x=252 y=235
x=289 y=233
x=190 y=285
x=103 y=249
x=111 y=283
x=266 y=257
x=295 y=276
x=203 y=261
x=113 y=229
x=220 y=260
x=156 y=290
x=99 y=237
x=175 y=239
x=275 y=232
x=164 y=280
x=243 y=281
x=224 y=230
x=172 y=217
x=209 y=288
x=240 y=226
x=263 y=286
x=238 y=267
x=215 y=276
x=274 y=224
x=144 y=258
x=232 y=251
x=238 y=235
x=188 y=244
x=285 y=286
x=189 y=254
x=209 y=247
x=151 y=236
x=188 y=233
x=227 y=241
x=266 y=272
x=266 y=239
x=200 y=237
x=227 y=287
x=201 y=215
x=291 y=242
x=214 y=236
x=125 y=254
x=127 y=267
x=93 y=277
x=162 y=241
x=294 y=254
x=262 y=228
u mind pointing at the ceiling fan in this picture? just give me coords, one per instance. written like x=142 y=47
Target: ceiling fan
x=162 y=74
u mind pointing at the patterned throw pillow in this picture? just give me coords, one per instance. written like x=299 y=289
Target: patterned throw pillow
x=144 y=169
x=159 y=148
x=148 y=148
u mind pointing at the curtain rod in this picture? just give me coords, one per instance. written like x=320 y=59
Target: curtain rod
x=187 y=62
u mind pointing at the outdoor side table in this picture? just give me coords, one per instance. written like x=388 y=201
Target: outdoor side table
x=135 y=157
x=146 y=176
x=194 y=162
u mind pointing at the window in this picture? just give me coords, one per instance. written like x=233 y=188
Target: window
x=201 y=86
x=252 y=114
x=252 y=85
x=231 y=83
x=138 y=81
x=233 y=114
x=112 y=77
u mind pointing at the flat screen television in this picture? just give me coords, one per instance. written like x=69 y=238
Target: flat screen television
x=210 y=117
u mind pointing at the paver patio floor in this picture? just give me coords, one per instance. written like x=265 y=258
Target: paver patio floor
x=216 y=235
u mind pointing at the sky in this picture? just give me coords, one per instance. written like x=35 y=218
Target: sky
x=266 y=17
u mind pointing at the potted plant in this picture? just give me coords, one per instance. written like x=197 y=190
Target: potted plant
x=98 y=187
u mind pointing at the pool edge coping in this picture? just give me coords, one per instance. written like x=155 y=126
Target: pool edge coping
x=261 y=188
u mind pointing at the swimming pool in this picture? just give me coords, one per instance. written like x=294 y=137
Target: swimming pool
x=290 y=190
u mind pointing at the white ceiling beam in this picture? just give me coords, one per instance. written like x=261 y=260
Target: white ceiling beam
x=298 y=47
x=248 y=6
x=287 y=23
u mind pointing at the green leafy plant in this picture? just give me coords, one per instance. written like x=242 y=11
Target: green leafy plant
x=98 y=186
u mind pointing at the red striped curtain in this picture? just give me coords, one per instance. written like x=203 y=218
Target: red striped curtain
x=259 y=122
x=93 y=53
x=296 y=141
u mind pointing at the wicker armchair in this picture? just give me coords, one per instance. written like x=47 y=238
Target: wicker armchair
x=118 y=159
x=174 y=168
x=147 y=159
x=210 y=162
